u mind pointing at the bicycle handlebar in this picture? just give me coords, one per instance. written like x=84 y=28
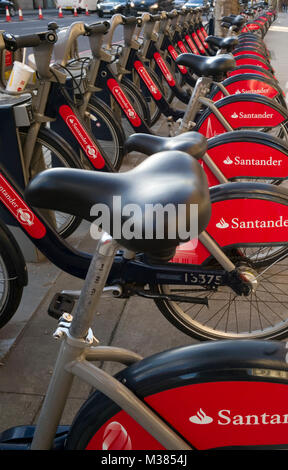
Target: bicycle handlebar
x=14 y=42
x=129 y=19
x=97 y=28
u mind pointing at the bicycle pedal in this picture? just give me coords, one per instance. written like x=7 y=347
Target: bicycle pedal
x=61 y=303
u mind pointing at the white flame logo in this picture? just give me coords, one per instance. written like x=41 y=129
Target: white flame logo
x=228 y=161
x=234 y=115
x=222 y=224
x=200 y=418
x=116 y=437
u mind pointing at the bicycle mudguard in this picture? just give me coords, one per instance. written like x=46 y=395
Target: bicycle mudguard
x=240 y=69
x=247 y=154
x=220 y=394
x=249 y=59
x=243 y=214
x=249 y=50
x=248 y=83
x=242 y=111
x=250 y=27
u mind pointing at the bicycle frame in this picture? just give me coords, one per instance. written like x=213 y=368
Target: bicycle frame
x=69 y=364
x=100 y=77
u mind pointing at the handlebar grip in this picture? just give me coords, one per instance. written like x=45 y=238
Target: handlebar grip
x=14 y=42
x=130 y=20
x=97 y=28
x=172 y=14
x=154 y=18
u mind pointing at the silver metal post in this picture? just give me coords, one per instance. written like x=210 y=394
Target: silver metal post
x=74 y=344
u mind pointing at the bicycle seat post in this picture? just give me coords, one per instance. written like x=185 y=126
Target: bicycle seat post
x=77 y=339
x=93 y=287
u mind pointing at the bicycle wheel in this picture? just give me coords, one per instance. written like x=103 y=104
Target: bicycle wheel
x=262 y=257
x=11 y=284
x=189 y=377
x=261 y=315
x=106 y=130
x=52 y=151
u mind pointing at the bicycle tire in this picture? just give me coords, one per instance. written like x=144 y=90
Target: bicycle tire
x=13 y=276
x=107 y=131
x=206 y=326
x=262 y=314
x=60 y=152
x=189 y=376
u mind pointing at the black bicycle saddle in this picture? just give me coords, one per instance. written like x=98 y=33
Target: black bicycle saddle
x=207 y=66
x=217 y=42
x=238 y=20
x=193 y=143
x=166 y=178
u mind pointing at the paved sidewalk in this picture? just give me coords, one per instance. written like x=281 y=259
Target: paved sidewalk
x=28 y=349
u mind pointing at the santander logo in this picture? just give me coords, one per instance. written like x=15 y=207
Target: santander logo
x=222 y=224
x=236 y=223
x=242 y=115
x=226 y=417
x=228 y=161
x=200 y=418
x=82 y=136
x=238 y=161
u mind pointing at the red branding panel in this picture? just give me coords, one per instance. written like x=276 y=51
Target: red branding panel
x=164 y=69
x=250 y=27
x=82 y=137
x=202 y=39
x=251 y=114
x=198 y=43
x=154 y=90
x=191 y=44
x=253 y=52
x=174 y=55
x=249 y=61
x=183 y=48
x=124 y=103
x=248 y=220
x=248 y=86
x=239 y=221
x=245 y=69
x=8 y=58
x=204 y=33
x=219 y=414
x=249 y=159
x=19 y=209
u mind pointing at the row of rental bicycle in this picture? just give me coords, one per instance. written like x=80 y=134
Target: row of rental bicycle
x=208 y=119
